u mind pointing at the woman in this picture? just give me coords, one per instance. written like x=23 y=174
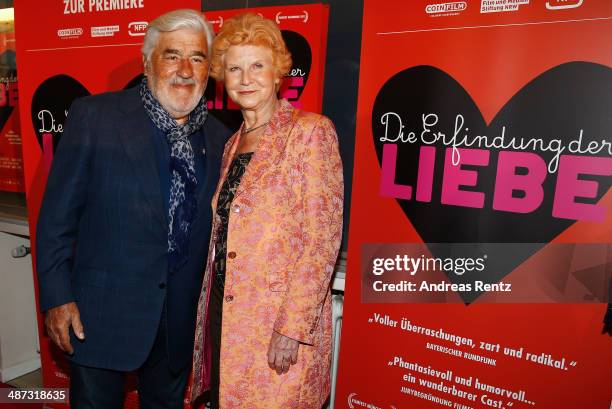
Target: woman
x=264 y=318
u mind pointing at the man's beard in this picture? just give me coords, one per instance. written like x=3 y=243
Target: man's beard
x=166 y=101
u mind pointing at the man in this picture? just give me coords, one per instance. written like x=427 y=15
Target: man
x=125 y=223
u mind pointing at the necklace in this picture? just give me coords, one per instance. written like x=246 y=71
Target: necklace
x=254 y=128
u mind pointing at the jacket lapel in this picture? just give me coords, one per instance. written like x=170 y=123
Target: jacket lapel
x=270 y=147
x=137 y=138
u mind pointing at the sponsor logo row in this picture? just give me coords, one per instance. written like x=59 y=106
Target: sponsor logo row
x=134 y=29
x=279 y=18
x=139 y=28
x=495 y=6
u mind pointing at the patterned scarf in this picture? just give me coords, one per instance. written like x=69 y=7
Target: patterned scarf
x=183 y=203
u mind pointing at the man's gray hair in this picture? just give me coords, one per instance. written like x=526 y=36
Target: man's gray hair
x=176 y=20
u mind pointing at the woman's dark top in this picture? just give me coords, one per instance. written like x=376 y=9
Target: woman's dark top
x=215 y=306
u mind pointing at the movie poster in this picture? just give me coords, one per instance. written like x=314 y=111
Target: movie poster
x=11 y=162
x=479 y=259
x=66 y=50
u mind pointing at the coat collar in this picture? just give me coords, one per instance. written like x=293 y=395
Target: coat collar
x=281 y=117
x=269 y=149
x=274 y=138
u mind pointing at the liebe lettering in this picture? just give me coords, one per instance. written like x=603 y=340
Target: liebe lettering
x=520 y=173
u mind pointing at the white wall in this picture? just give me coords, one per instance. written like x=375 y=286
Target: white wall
x=18 y=328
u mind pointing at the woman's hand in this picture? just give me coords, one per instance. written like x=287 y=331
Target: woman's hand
x=282 y=352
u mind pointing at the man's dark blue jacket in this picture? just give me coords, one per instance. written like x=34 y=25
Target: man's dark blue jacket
x=102 y=234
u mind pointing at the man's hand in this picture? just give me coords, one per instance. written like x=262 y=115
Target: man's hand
x=282 y=353
x=58 y=322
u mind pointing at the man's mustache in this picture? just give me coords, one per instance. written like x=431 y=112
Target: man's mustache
x=182 y=81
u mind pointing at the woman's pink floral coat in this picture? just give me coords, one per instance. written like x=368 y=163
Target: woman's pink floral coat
x=283 y=238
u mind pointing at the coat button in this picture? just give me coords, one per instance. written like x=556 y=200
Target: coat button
x=236 y=209
x=231 y=254
x=311 y=331
x=229 y=298
x=162 y=285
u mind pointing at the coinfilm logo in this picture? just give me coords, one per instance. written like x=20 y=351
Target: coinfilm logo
x=454 y=7
x=69 y=32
